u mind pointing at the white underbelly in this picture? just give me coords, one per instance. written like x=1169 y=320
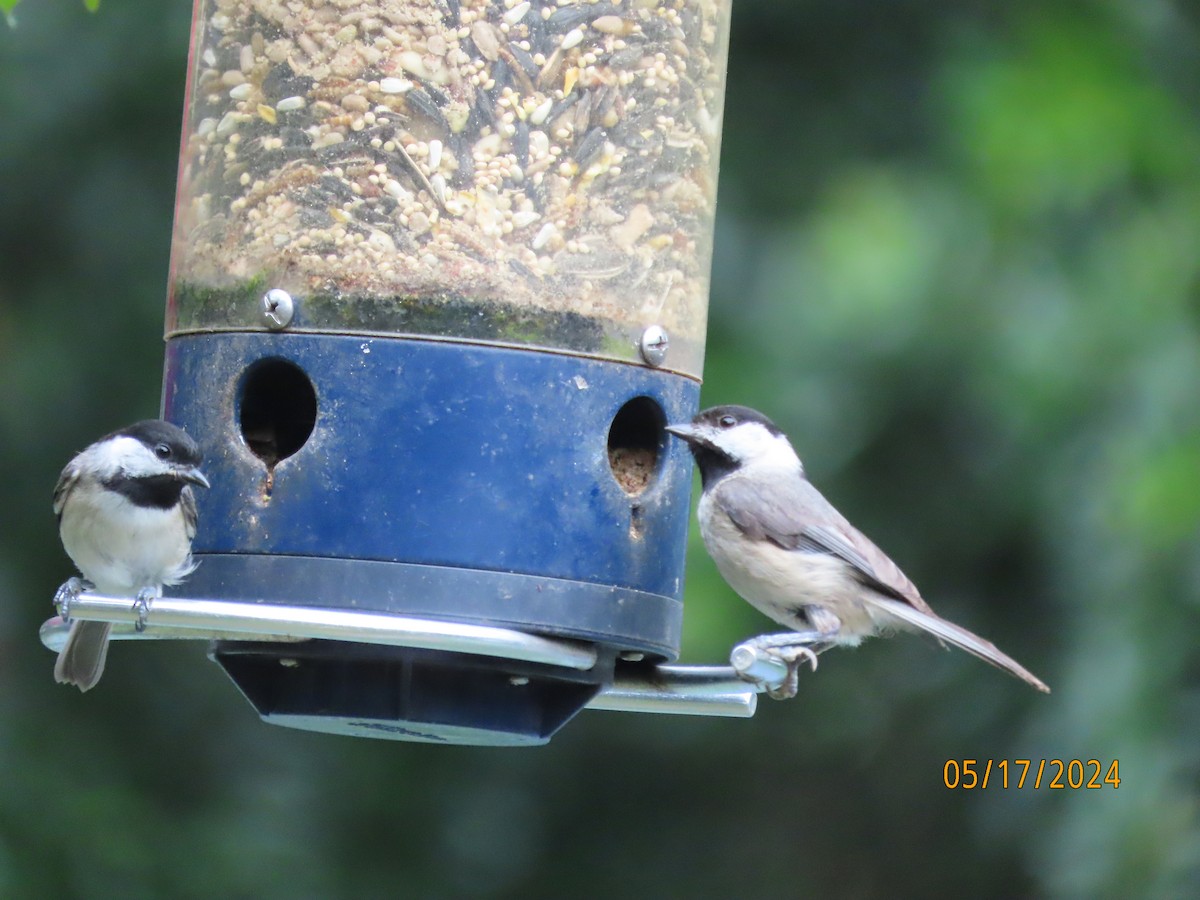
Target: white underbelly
x=149 y=547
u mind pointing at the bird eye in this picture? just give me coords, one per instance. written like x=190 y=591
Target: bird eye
x=162 y=451
x=727 y=421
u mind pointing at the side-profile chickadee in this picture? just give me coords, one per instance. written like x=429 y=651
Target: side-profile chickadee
x=785 y=549
x=126 y=516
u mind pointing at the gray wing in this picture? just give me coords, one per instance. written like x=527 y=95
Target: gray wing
x=66 y=481
x=793 y=514
x=187 y=499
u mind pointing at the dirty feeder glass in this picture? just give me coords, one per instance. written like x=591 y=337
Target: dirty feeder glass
x=528 y=173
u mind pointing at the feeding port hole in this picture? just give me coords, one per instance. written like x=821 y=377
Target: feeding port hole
x=278 y=409
x=635 y=440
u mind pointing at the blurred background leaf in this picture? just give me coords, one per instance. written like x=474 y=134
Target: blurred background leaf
x=955 y=259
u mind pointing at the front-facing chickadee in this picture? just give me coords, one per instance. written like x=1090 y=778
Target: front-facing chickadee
x=126 y=516
x=785 y=549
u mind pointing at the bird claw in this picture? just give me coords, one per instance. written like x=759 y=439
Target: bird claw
x=790 y=649
x=141 y=606
x=793 y=657
x=67 y=593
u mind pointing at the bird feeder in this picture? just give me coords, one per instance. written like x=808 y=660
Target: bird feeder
x=439 y=279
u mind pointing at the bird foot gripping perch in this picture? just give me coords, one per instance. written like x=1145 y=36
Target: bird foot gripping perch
x=771 y=662
x=67 y=593
x=141 y=607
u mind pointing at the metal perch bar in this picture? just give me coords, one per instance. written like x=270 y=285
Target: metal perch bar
x=53 y=634
x=766 y=670
x=671 y=689
x=680 y=690
x=254 y=621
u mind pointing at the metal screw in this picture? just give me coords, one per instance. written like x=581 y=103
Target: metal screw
x=654 y=345
x=277 y=308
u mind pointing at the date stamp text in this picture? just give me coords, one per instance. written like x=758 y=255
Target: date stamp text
x=1038 y=774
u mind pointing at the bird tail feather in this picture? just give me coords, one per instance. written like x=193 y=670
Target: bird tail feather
x=81 y=660
x=959 y=637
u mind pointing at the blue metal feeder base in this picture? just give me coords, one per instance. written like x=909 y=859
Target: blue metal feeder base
x=460 y=482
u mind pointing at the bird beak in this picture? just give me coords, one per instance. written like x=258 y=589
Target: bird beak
x=194 y=476
x=695 y=435
x=686 y=432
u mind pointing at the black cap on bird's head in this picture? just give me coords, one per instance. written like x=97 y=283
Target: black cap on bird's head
x=730 y=416
x=151 y=463
x=724 y=438
x=171 y=445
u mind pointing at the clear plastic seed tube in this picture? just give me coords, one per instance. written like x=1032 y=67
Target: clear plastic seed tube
x=525 y=173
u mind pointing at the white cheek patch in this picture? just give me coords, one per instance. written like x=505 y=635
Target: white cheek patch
x=753 y=443
x=123 y=454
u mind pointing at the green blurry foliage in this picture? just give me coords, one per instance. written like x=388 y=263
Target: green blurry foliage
x=7 y=7
x=955 y=260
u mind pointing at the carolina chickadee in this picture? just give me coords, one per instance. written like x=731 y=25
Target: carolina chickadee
x=784 y=548
x=126 y=516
